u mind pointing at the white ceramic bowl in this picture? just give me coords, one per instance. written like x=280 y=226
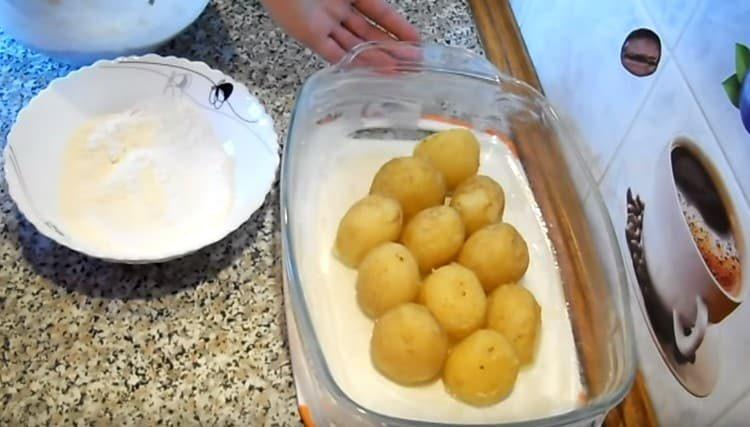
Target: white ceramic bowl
x=37 y=141
x=82 y=31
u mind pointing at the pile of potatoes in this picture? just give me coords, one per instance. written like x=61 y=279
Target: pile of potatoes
x=438 y=272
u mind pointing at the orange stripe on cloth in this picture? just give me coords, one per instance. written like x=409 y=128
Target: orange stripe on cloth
x=304 y=412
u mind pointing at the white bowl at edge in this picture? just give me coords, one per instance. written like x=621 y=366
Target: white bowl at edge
x=82 y=31
x=37 y=141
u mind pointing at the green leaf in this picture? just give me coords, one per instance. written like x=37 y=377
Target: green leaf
x=732 y=87
x=741 y=61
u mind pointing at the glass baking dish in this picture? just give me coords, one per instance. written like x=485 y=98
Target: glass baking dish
x=352 y=117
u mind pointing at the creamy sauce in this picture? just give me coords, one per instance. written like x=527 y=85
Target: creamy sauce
x=345 y=167
x=145 y=180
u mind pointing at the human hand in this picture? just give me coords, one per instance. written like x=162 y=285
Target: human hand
x=333 y=27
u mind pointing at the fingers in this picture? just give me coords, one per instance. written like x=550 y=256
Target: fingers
x=330 y=50
x=338 y=10
x=350 y=27
x=349 y=40
x=345 y=38
x=358 y=25
x=387 y=55
x=383 y=14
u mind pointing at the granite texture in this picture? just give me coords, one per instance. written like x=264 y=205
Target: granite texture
x=197 y=341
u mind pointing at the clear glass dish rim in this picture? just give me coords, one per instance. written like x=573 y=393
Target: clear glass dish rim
x=313 y=351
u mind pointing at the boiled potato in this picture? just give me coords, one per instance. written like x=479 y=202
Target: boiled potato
x=408 y=346
x=480 y=201
x=482 y=369
x=369 y=222
x=434 y=236
x=388 y=276
x=497 y=254
x=513 y=311
x=455 y=297
x=455 y=152
x=415 y=183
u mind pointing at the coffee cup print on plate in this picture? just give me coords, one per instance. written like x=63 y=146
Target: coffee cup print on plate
x=690 y=238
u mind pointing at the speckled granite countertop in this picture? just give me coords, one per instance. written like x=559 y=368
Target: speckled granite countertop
x=197 y=341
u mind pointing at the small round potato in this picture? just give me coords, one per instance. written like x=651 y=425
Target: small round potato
x=482 y=369
x=455 y=152
x=434 y=236
x=369 y=222
x=455 y=297
x=497 y=254
x=415 y=183
x=513 y=311
x=388 y=276
x=408 y=346
x=480 y=201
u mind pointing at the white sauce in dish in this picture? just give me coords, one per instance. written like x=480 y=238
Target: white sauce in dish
x=144 y=180
x=344 y=169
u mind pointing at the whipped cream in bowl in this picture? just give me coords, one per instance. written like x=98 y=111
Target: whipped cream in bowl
x=141 y=159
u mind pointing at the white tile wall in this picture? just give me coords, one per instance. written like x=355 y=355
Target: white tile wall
x=671 y=17
x=623 y=122
x=738 y=415
x=705 y=55
x=575 y=46
x=670 y=110
x=520 y=9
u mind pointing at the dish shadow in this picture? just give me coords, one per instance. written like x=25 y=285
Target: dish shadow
x=278 y=275
x=207 y=40
x=79 y=273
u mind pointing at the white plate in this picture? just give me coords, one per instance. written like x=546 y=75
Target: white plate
x=37 y=141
